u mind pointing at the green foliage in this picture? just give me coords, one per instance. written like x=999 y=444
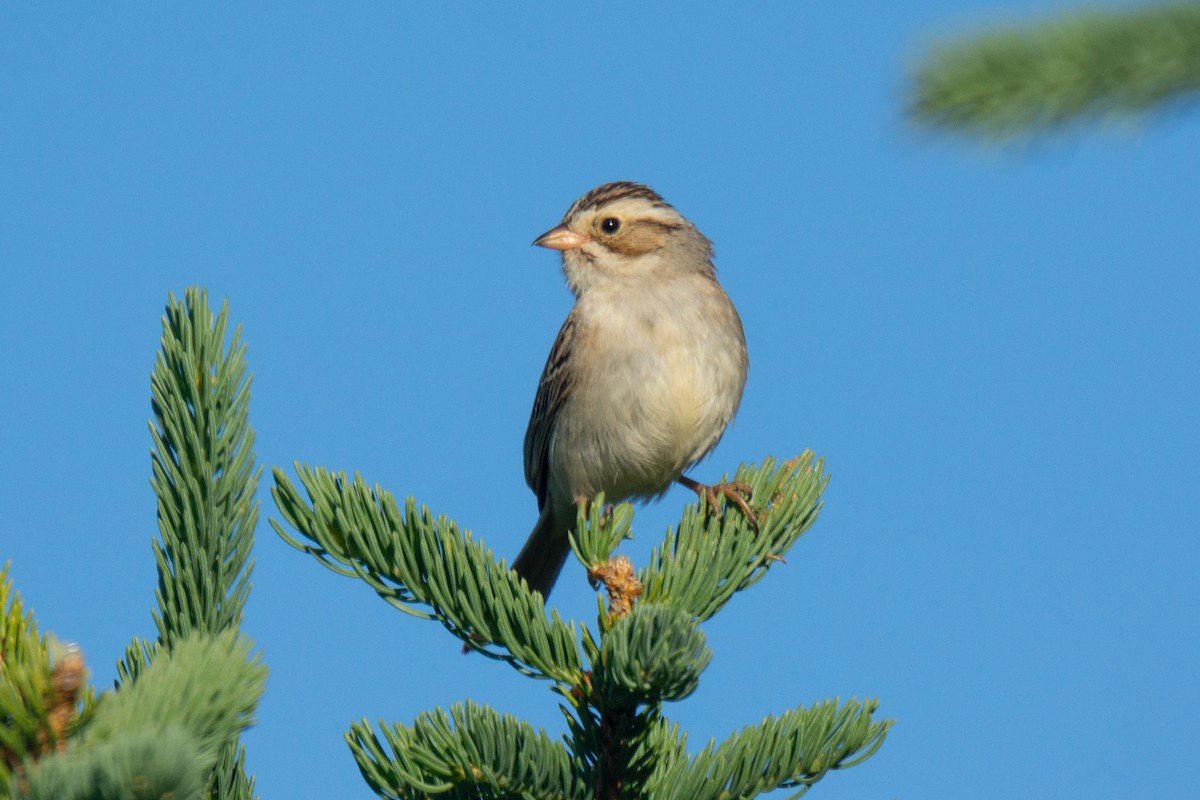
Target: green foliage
x=618 y=743
x=470 y=752
x=160 y=763
x=795 y=749
x=206 y=684
x=1089 y=64
x=170 y=729
x=699 y=567
x=606 y=527
x=205 y=480
x=412 y=559
x=230 y=781
x=160 y=736
x=42 y=696
x=204 y=476
x=652 y=654
x=26 y=684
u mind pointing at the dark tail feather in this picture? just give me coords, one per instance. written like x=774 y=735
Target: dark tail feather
x=544 y=553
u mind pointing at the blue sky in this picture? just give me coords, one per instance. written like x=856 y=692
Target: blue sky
x=997 y=353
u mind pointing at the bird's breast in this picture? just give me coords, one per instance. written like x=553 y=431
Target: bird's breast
x=663 y=384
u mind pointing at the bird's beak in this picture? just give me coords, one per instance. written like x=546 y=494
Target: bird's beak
x=561 y=238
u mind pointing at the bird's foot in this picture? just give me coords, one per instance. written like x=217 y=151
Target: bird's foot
x=736 y=492
x=606 y=513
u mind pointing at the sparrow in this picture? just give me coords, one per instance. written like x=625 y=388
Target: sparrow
x=645 y=375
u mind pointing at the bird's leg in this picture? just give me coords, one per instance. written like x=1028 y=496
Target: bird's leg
x=735 y=491
x=586 y=504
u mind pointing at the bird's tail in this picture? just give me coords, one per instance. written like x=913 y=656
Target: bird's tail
x=544 y=553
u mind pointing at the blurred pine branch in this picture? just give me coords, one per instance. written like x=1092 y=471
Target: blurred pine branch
x=41 y=688
x=1086 y=65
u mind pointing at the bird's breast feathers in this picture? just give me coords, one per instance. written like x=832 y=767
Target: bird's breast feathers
x=663 y=388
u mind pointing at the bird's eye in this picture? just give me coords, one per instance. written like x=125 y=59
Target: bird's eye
x=610 y=225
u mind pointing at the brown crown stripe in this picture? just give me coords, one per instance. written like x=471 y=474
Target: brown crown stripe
x=611 y=192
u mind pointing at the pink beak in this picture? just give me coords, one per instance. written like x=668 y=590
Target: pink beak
x=561 y=238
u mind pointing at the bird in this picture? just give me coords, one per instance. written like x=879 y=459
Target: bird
x=644 y=376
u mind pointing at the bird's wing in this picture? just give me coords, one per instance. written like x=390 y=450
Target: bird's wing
x=553 y=390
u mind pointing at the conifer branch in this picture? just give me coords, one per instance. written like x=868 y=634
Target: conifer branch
x=652 y=655
x=164 y=734
x=1090 y=64
x=470 y=752
x=413 y=560
x=151 y=764
x=207 y=685
x=42 y=698
x=204 y=476
x=204 y=479
x=793 y=750
x=599 y=530
x=699 y=567
x=171 y=727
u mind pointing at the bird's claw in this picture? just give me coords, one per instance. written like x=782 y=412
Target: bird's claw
x=735 y=492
